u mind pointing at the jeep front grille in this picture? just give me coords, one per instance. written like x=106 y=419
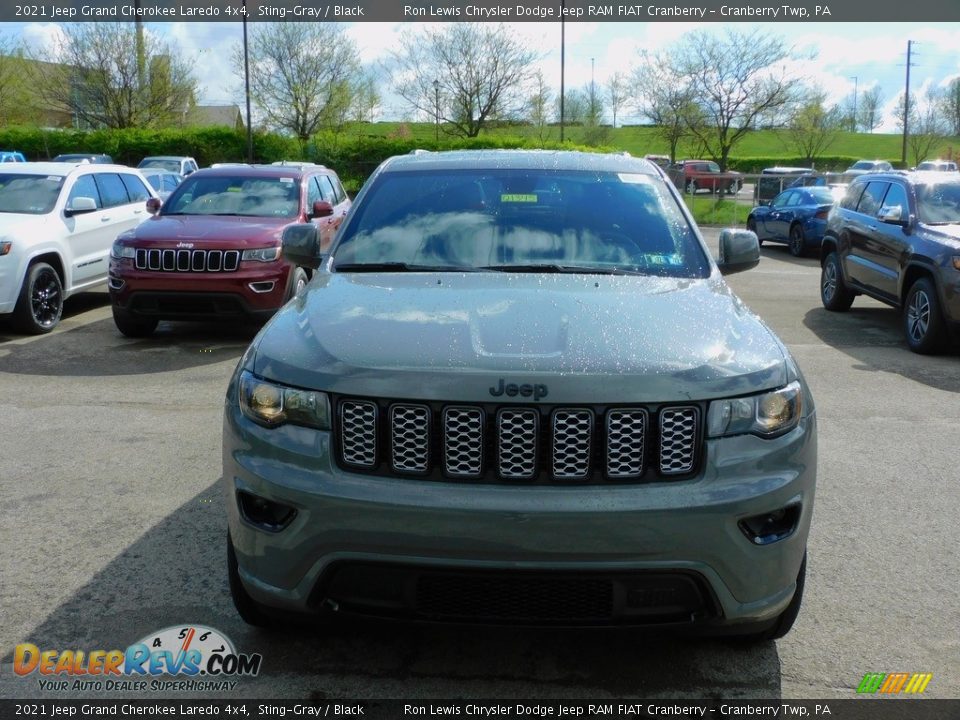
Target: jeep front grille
x=170 y=260
x=520 y=445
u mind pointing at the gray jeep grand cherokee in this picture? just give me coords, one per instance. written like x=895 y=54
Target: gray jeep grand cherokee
x=518 y=390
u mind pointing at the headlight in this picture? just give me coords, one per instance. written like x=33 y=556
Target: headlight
x=272 y=405
x=122 y=251
x=261 y=254
x=766 y=415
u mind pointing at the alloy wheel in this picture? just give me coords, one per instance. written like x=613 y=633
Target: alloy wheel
x=918 y=316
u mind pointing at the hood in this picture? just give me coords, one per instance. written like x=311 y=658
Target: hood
x=949 y=234
x=587 y=338
x=12 y=224
x=233 y=230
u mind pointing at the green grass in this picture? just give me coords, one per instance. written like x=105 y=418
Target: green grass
x=708 y=210
x=643 y=140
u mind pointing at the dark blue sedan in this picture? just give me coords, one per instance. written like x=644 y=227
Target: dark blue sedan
x=797 y=217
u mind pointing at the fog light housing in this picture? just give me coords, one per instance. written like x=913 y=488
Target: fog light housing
x=772 y=526
x=265 y=514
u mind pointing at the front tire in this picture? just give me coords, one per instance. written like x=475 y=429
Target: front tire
x=797 y=243
x=692 y=187
x=133 y=326
x=785 y=620
x=298 y=281
x=834 y=293
x=40 y=304
x=752 y=227
x=922 y=320
x=250 y=610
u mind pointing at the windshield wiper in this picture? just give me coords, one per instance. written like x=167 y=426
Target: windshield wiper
x=399 y=267
x=555 y=268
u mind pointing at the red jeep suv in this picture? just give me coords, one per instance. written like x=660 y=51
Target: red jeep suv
x=212 y=250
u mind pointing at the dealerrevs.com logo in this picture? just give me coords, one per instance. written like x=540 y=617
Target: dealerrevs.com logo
x=203 y=655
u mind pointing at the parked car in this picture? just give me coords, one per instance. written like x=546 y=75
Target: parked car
x=797 y=217
x=896 y=238
x=662 y=161
x=179 y=164
x=694 y=175
x=7 y=156
x=212 y=251
x=520 y=370
x=937 y=166
x=775 y=180
x=57 y=224
x=96 y=159
x=163 y=181
x=865 y=166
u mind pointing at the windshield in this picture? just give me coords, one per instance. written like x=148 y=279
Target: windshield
x=862 y=165
x=29 y=194
x=239 y=195
x=509 y=220
x=171 y=165
x=939 y=204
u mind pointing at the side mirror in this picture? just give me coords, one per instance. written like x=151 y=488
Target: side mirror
x=891 y=214
x=301 y=245
x=321 y=208
x=153 y=205
x=80 y=205
x=739 y=250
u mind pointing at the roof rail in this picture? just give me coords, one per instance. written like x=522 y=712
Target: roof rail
x=296 y=163
x=419 y=151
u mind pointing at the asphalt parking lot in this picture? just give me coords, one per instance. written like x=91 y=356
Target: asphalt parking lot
x=114 y=524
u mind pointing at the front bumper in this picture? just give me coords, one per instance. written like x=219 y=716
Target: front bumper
x=628 y=534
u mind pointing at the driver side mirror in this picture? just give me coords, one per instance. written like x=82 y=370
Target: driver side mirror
x=80 y=205
x=321 y=208
x=739 y=250
x=153 y=205
x=301 y=245
x=892 y=214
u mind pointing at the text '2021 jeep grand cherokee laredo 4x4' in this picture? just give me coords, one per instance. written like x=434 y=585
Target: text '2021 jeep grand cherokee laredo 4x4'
x=520 y=391
x=213 y=249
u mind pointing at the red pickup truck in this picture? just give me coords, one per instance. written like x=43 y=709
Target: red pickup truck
x=693 y=175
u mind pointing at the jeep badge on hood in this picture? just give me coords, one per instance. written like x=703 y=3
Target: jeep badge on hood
x=537 y=391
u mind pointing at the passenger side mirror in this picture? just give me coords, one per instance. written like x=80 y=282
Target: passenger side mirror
x=892 y=214
x=739 y=250
x=153 y=205
x=301 y=245
x=80 y=205
x=321 y=208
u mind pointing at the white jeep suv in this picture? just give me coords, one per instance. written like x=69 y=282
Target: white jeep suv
x=57 y=225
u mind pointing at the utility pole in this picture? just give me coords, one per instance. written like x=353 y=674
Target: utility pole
x=906 y=107
x=436 y=110
x=246 y=77
x=563 y=47
x=855 y=81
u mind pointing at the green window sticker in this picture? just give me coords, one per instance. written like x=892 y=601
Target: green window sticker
x=518 y=198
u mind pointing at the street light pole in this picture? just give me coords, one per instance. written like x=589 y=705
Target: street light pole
x=563 y=47
x=246 y=78
x=436 y=110
x=855 y=81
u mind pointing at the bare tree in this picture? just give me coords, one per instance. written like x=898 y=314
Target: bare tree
x=366 y=99
x=950 y=105
x=663 y=98
x=480 y=73
x=928 y=129
x=539 y=104
x=733 y=80
x=616 y=94
x=574 y=107
x=301 y=75
x=813 y=127
x=868 y=108
x=94 y=74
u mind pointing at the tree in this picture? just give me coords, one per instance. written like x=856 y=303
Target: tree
x=868 y=108
x=539 y=104
x=481 y=73
x=302 y=75
x=94 y=73
x=950 y=105
x=928 y=129
x=663 y=98
x=594 y=131
x=813 y=127
x=616 y=94
x=366 y=99
x=733 y=80
x=574 y=107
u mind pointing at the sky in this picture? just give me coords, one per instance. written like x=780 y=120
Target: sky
x=834 y=53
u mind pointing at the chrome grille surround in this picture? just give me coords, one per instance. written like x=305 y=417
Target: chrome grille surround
x=678 y=439
x=572 y=443
x=410 y=438
x=463 y=441
x=626 y=437
x=170 y=260
x=517 y=446
x=358 y=433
